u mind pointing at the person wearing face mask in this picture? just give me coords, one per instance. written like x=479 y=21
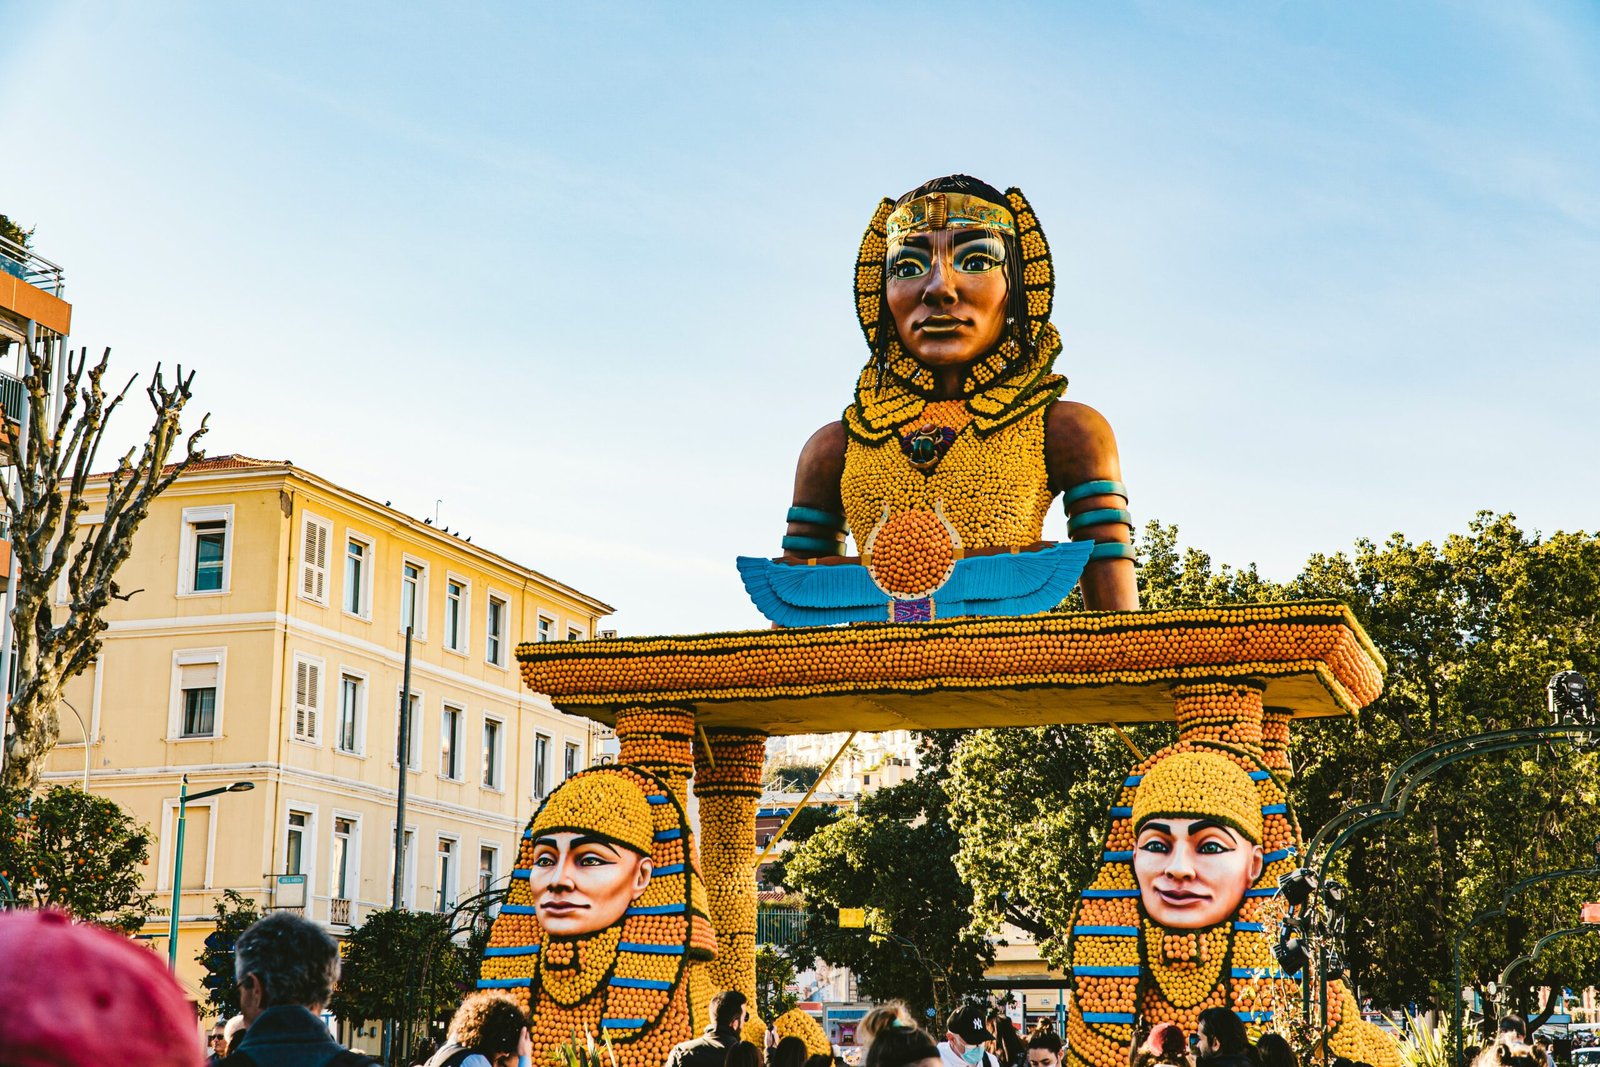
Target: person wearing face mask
x=965 y=1035
x=487 y=1030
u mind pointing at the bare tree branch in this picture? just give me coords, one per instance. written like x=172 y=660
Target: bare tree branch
x=54 y=475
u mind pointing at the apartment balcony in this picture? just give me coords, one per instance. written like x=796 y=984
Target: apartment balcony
x=30 y=292
x=339 y=912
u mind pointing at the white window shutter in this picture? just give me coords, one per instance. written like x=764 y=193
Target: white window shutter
x=307 y=699
x=314 y=560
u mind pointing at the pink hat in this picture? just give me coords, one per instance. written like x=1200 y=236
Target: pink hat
x=73 y=995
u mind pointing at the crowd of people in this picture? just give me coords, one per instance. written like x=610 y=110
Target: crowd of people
x=119 y=1005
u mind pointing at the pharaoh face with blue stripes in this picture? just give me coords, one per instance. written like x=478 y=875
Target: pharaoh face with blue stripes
x=1197 y=849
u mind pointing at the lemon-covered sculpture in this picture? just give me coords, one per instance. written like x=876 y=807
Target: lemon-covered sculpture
x=956 y=442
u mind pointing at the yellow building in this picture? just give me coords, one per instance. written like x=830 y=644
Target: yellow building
x=262 y=640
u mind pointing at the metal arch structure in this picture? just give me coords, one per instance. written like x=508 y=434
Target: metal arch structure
x=1399 y=792
x=1539 y=947
x=1498 y=911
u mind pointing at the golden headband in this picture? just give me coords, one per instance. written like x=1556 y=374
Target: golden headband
x=939 y=211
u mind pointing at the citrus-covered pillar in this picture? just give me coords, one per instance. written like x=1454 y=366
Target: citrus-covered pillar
x=1229 y=712
x=727 y=784
x=661 y=740
x=1275 y=740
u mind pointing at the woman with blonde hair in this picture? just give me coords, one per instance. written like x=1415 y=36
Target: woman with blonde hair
x=879 y=1019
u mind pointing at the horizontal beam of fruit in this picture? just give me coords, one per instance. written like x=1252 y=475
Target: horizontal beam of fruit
x=1091 y=667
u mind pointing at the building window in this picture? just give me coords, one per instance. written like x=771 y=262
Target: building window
x=414 y=597
x=546 y=628
x=307 y=698
x=314 y=536
x=450 y=743
x=206 y=551
x=342 y=883
x=455 y=614
x=408 y=883
x=199 y=700
x=569 y=761
x=494 y=639
x=491 y=753
x=541 y=765
x=414 y=728
x=574 y=634
x=352 y=713
x=294 y=852
x=446 y=898
x=357 y=572
x=488 y=867
x=196 y=708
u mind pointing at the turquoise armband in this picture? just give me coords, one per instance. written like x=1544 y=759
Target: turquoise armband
x=1113 y=550
x=816 y=517
x=1099 y=487
x=793 y=543
x=1098 y=516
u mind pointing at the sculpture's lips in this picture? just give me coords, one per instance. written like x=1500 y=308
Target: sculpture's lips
x=560 y=907
x=941 y=324
x=1180 y=896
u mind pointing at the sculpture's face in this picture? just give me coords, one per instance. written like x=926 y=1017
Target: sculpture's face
x=947 y=293
x=1193 y=873
x=583 y=884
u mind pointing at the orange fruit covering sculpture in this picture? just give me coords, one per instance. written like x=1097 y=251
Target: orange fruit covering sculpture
x=1125 y=966
x=631 y=981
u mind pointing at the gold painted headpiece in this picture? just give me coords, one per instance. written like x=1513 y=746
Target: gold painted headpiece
x=940 y=211
x=605 y=806
x=1200 y=785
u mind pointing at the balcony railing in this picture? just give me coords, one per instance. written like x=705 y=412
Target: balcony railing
x=11 y=396
x=339 y=911
x=779 y=925
x=31 y=267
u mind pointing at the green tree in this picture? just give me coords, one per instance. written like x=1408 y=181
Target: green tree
x=792 y=777
x=72 y=850
x=13 y=232
x=774 y=975
x=892 y=856
x=405 y=966
x=235 y=914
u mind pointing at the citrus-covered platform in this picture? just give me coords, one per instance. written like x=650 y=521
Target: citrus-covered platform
x=1092 y=667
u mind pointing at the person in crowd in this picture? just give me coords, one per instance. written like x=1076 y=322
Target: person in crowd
x=894 y=1013
x=487 y=1030
x=964 y=1038
x=1008 y=1048
x=1543 y=1051
x=1470 y=1055
x=821 y=1059
x=78 y=995
x=1164 y=1044
x=743 y=1054
x=1223 y=1041
x=232 y=1034
x=789 y=1052
x=1513 y=1028
x=1508 y=1052
x=729 y=1013
x=286 y=967
x=1274 y=1051
x=216 y=1044
x=1044 y=1049
x=903 y=1046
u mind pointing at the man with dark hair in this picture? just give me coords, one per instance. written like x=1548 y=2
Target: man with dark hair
x=728 y=1016
x=1044 y=1049
x=1513 y=1028
x=286 y=968
x=1223 y=1041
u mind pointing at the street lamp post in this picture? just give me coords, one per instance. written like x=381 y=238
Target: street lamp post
x=184 y=798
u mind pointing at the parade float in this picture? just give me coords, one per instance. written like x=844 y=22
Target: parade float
x=621 y=922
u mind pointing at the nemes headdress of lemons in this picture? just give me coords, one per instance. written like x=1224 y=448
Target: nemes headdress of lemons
x=1200 y=785
x=605 y=806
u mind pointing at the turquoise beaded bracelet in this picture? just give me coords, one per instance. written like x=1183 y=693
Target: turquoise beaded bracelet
x=816 y=517
x=794 y=543
x=1098 y=487
x=1098 y=516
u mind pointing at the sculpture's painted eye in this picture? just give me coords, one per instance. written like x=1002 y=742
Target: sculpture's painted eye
x=980 y=257
x=908 y=263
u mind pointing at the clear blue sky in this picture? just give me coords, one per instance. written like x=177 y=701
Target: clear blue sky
x=582 y=271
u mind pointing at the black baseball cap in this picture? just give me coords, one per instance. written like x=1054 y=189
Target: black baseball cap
x=967 y=1024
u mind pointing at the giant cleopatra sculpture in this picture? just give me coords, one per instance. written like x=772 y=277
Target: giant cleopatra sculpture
x=942 y=469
